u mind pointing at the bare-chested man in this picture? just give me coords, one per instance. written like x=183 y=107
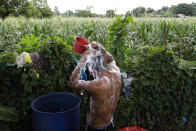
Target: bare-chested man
x=104 y=89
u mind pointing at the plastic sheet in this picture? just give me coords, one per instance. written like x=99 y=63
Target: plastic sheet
x=127 y=84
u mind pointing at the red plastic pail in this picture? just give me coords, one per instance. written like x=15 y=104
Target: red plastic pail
x=79 y=45
x=132 y=128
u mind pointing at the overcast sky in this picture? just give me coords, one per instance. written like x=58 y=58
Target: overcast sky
x=121 y=6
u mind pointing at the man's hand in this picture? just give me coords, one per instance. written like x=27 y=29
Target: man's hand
x=95 y=46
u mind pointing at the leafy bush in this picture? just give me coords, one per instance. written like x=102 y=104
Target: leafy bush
x=162 y=93
x=117 y=38
x=20 y=86
x=163 y=88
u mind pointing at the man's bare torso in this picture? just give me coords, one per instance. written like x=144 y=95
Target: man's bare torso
x=104 y=90
x=104 y=101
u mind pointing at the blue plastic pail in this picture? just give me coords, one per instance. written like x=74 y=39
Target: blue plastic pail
x=56 y=112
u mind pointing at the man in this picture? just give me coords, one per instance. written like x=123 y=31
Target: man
x=104 y=89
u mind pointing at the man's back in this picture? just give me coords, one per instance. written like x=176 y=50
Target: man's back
x=104 y=98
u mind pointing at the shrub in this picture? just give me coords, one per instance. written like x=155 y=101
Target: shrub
x=163 y=91
x=20 y=86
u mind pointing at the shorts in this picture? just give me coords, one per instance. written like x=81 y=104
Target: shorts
x=109 y=127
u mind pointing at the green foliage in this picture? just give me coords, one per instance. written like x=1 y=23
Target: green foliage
x=68 y=13
x=8 y=57
x=35 y=8
x=10 y=7
x=165 y=11
x=162 y=91
x=84 y=13
x=150 y=10
x=19 y=86
x=40 y=9
x=29 y=44
x=188 y=9
x=110 y=13
x=163 y=88
x=139 y=12
x=56 y=11
x=118 y=33
x=8 y=114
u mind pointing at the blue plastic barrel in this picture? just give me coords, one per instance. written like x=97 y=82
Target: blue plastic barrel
x=56 y=112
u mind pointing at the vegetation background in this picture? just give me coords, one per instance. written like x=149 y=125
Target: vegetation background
x=159 y=53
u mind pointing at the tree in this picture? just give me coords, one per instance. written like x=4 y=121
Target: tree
x=42 y=6
x=27 y=10
x=34 y=8
x=150 y=10
x=194 y=8
x=46 y=12
x=110 y=13
x=8 y=7
x=187 y=9
x=139 y=11
x=163 y=10
x=68 y=13
x=173 y=9
x=128 y=13
x=56 y=11
x=84 y=13
x=168 y=13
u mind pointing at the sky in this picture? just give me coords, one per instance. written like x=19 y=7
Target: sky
x=121 y=6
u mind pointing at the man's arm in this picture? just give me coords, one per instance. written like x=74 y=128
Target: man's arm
x=74 y=81
x=89 y=86
x=107 y=56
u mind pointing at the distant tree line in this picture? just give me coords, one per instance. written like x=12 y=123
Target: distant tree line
x=40 y=9
x=187 y=9
x=84 y=13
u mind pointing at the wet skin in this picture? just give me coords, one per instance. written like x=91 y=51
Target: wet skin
x=104 y=91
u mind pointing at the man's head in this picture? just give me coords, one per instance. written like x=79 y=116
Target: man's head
x=94 y=64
